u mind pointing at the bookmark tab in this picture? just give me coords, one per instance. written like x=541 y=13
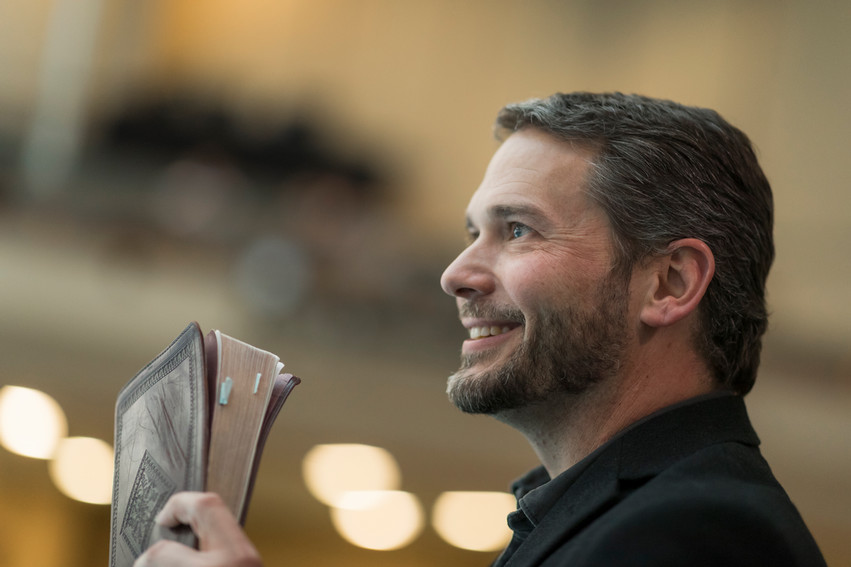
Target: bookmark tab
x=257 y=382
x=224 y=393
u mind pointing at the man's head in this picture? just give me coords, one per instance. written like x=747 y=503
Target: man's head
x=537 y=286
x=661 y=172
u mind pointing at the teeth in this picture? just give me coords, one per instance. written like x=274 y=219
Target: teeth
x=481 y=332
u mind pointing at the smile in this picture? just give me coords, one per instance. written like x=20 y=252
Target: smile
x=487 y=331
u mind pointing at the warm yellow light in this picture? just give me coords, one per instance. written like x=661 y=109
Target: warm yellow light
x=378 y=519
x=82 y=469
x=331 y=470
x=474 y=520
x=31 y=422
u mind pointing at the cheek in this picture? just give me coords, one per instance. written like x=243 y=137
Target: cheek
x=545 y=286
x=536 y=287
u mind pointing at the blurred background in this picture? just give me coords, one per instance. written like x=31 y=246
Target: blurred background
x=295 y=174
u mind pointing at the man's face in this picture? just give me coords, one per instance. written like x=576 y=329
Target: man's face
x=535 y=287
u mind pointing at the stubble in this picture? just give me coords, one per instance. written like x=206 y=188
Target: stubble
x=566 y=352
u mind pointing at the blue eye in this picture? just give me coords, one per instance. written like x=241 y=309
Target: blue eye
x=518 y=230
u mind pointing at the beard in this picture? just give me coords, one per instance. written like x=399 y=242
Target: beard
x=566 y=353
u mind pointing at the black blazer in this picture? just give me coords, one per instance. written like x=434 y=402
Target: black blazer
x=688 y=487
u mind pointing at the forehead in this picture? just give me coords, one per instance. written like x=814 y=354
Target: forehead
x=533 y=169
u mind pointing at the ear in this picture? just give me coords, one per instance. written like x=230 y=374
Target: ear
x=678 y=282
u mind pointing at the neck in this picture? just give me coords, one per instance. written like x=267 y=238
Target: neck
x=565 y=429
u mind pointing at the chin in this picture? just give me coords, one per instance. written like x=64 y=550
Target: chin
x=480 y=392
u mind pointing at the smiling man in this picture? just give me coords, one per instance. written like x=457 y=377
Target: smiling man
x=535 y=286
x=614 y=292
x=613 y=287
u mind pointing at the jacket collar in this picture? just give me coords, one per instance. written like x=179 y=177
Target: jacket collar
x=670 y=435
x=638 y=453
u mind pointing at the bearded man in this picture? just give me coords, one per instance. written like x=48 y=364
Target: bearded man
x=614 y=291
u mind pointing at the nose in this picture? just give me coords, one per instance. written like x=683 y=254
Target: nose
x=469 y=275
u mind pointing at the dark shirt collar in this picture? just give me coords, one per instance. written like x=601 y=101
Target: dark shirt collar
x=537 y=493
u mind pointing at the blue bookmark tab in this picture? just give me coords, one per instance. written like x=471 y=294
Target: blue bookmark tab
x=257 y=383
x=224 y=393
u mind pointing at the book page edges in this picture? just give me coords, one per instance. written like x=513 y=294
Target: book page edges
x=238 y=424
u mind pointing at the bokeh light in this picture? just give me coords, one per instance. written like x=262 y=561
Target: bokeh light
x=82 y=469
x=474 y=520
x=335 y=469
x=378 y=519
x=31 y=422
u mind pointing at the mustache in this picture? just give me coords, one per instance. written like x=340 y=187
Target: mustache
x=490 y=311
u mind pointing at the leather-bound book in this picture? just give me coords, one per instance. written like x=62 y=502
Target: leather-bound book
x=195 y=418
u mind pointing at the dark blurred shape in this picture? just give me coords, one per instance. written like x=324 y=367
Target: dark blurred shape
x=164 y=129
x=297 y=225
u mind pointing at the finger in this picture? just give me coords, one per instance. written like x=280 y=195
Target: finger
x=165 y=553
x=179 y=509
x=209 y=518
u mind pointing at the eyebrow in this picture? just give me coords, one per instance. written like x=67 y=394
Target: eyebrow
x=508 y=211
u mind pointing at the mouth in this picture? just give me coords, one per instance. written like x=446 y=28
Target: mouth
x=484 y=331
x=488 y=337
x=488 y=327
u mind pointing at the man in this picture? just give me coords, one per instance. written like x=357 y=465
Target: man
x=613 y=288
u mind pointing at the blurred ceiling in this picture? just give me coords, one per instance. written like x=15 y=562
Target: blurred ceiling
x=114 y=234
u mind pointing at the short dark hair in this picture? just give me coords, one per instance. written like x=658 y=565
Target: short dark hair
x=664 y=171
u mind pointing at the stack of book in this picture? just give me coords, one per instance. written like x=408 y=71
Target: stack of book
x=194 y=419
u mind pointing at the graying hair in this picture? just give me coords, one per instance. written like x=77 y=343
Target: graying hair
x=664 y=171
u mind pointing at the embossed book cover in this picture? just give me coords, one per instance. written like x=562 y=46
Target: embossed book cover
x=195 y=418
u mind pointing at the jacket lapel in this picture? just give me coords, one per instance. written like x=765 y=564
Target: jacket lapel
x=635 y=456
x=595 y=491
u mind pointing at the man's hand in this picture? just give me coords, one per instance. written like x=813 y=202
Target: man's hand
x=221 y=539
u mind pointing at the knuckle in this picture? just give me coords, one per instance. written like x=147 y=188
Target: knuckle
x=246 y=556
x=209 y=500
x=250 y=561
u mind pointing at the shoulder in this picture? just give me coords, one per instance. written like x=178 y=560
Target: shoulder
x=679 y=527
x=714 y=508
